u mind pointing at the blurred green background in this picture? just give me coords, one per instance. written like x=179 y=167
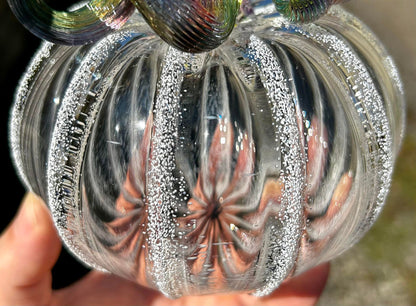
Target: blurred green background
x=381 y=268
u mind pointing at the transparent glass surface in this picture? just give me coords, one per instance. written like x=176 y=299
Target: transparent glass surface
x=230 y=170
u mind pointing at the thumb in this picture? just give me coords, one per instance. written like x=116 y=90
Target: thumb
x=29 y=248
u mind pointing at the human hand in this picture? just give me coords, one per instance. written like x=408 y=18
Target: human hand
x=30 y=247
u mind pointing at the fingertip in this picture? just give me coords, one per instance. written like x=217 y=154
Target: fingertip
x=304 y=289
x=36 y=234
x=33 y=215
x=29 y=248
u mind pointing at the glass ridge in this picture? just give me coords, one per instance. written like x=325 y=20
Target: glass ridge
x=228 y=170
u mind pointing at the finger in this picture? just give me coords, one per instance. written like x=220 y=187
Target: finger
x=304 y=289
x=105 y=289
x=98 y=288
x=29 y=248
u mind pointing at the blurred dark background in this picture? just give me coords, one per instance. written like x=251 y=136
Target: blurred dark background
x=379 y=270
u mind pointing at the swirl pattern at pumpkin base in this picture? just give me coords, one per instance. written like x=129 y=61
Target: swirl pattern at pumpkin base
x=229 y=170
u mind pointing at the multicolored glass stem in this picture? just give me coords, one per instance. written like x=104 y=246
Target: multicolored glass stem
x=189 y=25
x=304 y=10
x=81 y=26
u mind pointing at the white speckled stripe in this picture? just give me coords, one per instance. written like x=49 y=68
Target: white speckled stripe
x=283 y=244
x=165 y=262
x=69 y=139
x=369 y=107
x=21 y=98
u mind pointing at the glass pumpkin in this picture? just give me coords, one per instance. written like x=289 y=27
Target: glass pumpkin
x=230 y=170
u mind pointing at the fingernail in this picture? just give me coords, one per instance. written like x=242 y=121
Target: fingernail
x=27 y=218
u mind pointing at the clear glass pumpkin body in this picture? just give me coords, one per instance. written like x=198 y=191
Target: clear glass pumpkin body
x=230 y=170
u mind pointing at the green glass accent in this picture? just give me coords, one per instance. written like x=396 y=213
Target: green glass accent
x=303 y=11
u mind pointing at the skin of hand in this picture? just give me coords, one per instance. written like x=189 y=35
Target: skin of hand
x=30 y=246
